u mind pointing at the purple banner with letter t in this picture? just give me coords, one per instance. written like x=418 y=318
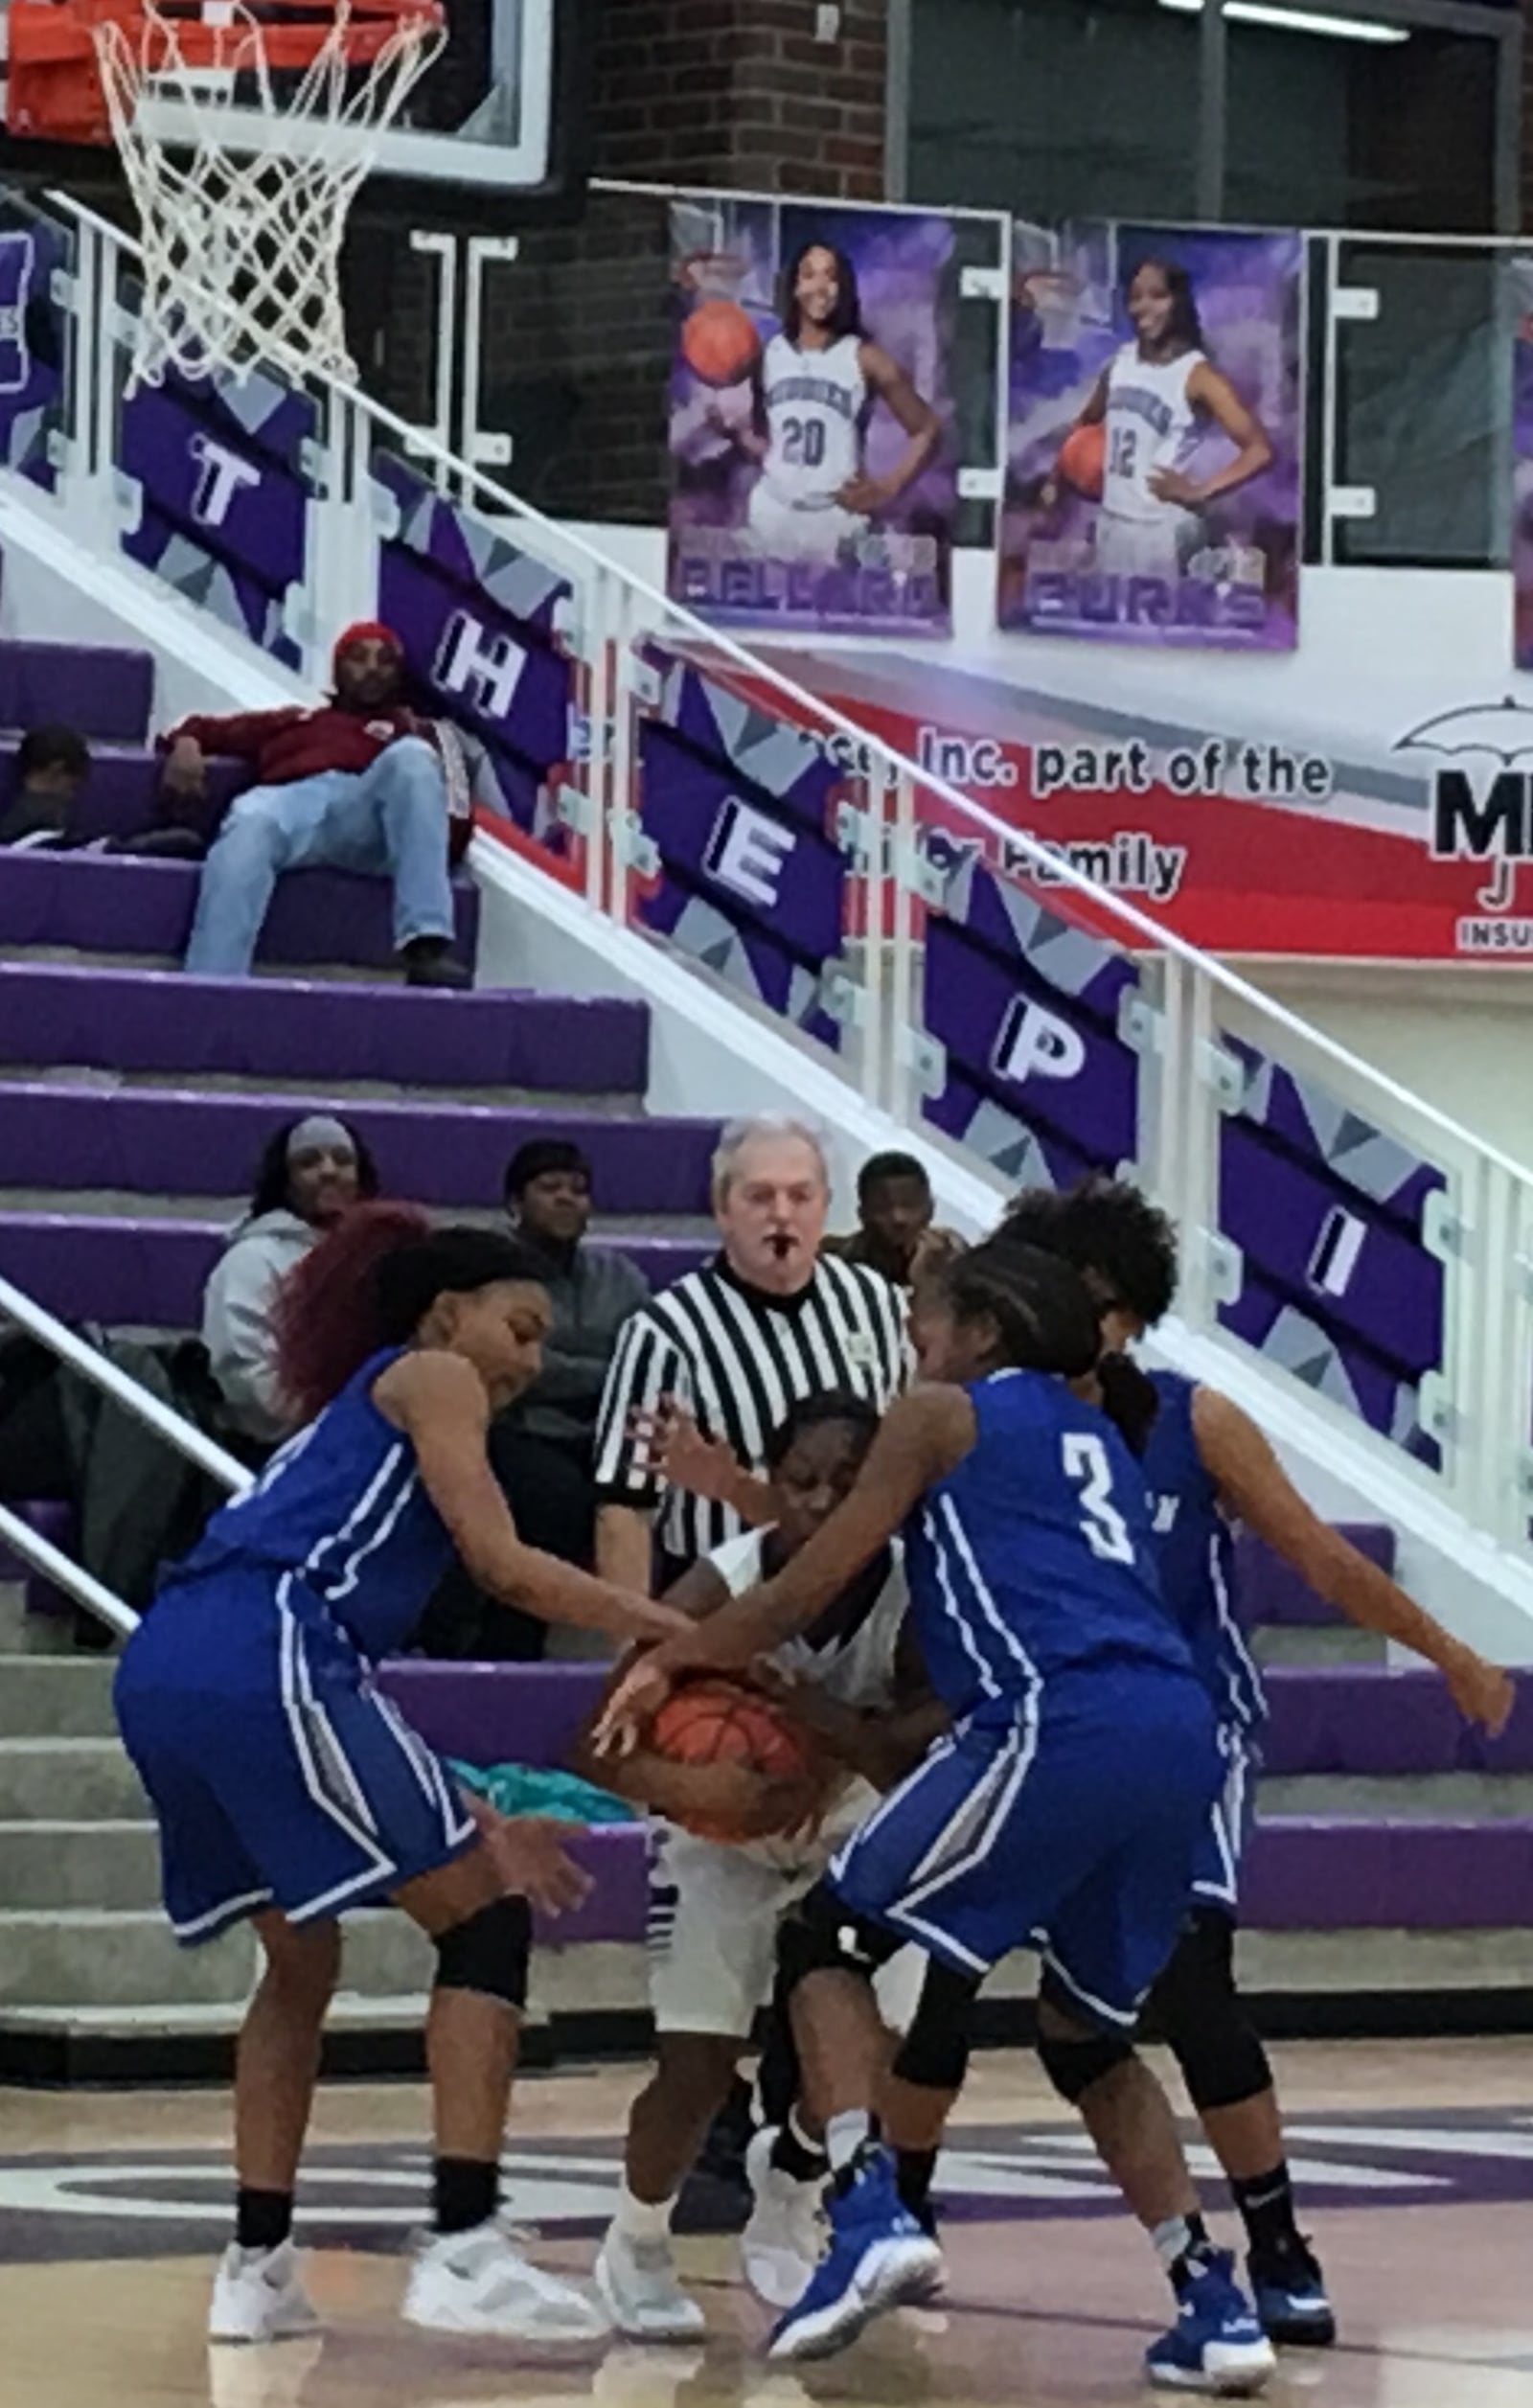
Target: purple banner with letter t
x=1155 y=437
x=812 y=478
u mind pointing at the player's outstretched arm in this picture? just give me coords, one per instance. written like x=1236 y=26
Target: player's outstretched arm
x=1254 y=1485
x=439 y=1404
x=922 y=1437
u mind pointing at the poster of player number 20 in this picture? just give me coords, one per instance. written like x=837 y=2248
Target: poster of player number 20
x=812 y=480
x=1153 y=446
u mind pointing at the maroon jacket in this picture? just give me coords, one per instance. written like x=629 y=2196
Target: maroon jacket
x=294 y=743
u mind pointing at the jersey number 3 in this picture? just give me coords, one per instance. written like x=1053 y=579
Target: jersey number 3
x=1102 y=1525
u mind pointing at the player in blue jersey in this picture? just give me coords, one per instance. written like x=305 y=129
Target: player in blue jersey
x=1067 y=1797
x=1209 y=1467
x=287 y=1789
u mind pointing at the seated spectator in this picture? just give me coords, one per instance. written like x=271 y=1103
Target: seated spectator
x=894 y=1209
x=356 y=782
x=52 y=765
x=542 y=1447
x=313 y=1171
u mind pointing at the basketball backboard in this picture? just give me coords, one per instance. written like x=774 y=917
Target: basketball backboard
x=492 y=138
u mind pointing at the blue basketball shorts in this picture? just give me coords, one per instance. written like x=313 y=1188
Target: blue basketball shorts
x=1215 y=1866
x=278 y=1778
x=1074 y=1812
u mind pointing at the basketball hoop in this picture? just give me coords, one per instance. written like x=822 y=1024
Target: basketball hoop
x=245 y=131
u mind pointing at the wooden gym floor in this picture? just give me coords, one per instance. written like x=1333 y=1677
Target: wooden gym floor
x=1415 y=2162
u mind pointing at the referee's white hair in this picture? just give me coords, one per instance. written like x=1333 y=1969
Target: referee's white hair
x=738 y=1135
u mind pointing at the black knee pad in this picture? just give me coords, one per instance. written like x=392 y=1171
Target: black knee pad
x=934 y=2053
x=488 y=1952
x=1073 y=2065
x=1197 y=2007
x=822 y=1935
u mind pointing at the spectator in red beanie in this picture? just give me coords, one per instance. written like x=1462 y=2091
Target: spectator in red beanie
x=356 y=782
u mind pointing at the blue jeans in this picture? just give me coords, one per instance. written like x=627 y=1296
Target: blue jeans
x=388 y=820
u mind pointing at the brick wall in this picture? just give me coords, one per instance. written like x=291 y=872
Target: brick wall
x=734 y=93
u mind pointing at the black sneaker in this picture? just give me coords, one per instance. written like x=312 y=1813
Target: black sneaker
x=1291 y=2297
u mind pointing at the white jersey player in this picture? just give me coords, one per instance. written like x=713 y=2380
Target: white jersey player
x=1155 y=401
x=814 y=394
x=716 y=1906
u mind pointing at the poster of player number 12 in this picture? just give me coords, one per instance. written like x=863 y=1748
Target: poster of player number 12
x=1155 y=438
x=812 y=483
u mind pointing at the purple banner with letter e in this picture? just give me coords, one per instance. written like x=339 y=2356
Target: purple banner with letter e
x=812 y=483
x=1155 y=437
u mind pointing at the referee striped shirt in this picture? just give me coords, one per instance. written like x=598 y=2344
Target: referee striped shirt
x=738 y=1358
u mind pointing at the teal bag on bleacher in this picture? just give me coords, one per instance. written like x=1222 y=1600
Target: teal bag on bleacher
x=542 y=1789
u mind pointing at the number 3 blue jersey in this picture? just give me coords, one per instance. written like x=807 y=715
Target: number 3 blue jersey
x=1036 y=1555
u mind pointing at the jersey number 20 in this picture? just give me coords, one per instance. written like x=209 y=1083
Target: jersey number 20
x=1102 y=1525
x=804 y=442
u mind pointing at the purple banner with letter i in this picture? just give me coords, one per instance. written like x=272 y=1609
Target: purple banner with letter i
x=812 y=483
x=1156 y=436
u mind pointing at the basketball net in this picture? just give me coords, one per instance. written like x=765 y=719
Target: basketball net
x=241 y=243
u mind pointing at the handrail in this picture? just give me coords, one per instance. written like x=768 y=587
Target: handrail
x=93 y=1366
x=1060 y=871
x=65 y=1574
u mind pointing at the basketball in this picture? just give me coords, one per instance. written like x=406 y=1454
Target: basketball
x=1083 y=458
x=717 y=1722
x=719 y=342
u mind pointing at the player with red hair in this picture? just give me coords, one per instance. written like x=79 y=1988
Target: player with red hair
x=287 y=1790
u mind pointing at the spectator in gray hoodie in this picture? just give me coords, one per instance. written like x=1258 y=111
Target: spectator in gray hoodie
x=311 y=1173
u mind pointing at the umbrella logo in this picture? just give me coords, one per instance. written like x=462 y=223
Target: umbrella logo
x=1503 y=731
x=1496 y=825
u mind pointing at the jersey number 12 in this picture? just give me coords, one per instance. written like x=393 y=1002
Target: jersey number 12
x=1102 y=1525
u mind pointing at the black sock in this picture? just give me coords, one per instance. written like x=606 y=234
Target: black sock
x=467 y=2192
x=914 y=2170
x=805 y=2161
x=1266 y=2202
x=263 y=2218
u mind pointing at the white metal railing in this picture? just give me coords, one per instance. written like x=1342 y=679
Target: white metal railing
x=152 y=1411
x=908 y=841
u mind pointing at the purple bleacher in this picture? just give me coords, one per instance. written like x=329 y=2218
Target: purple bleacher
x=1368 y=1719
x=617 y=1857
x=97 y=1267
x=100 y=689
x=182 y=1142
x=1270 y=1590
x=140 y=1021
x=1325 y=1873
x=496 y=1713
x=102 y=904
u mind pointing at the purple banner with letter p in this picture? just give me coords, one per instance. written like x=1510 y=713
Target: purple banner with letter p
x=1155 y=437
x=812 y=478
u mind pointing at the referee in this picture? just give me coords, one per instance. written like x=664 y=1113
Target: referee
x=768 y=1323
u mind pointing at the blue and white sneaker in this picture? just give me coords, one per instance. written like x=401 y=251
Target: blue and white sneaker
x=1291 y=2297
x=878 y=2259
x=1216 y=2344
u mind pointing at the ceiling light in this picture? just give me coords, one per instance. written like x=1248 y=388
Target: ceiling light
x=1346 y=28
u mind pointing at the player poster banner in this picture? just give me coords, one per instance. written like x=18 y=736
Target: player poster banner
x=1154 y=438
x=812 y=483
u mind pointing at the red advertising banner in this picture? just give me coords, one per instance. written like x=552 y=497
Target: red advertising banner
x=1238 y=843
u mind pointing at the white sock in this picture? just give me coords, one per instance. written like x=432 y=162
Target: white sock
x=1172 y=2240
x=643 y=2219
x=844 y=2136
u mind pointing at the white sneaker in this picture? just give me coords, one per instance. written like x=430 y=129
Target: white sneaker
x=784 y=2240
x=637 y=2281
x=258 y=2295
x=480 y=2283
